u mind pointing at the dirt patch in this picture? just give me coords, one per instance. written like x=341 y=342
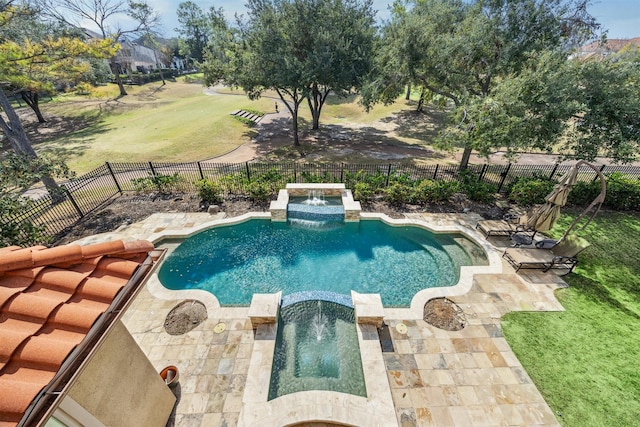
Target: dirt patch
x=444 y=314
x=184 y=317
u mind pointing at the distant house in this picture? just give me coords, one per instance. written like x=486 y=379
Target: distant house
x=65 y=356
x=602 y=50
x=136 y=57
x=178 y=63
x=132 y=56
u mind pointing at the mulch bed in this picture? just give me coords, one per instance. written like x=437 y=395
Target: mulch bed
x=444 y=314
x=130 y=208
x=184 y=317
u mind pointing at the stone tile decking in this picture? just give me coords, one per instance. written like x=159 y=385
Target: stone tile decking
x=435 y=377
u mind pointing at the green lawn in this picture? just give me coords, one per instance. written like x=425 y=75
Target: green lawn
x=177 y=122
x=585 y=360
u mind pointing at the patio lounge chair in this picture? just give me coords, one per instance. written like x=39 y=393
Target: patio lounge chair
x=548 y=254
x=509 y=225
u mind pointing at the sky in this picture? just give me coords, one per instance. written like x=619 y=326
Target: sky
x=620 y=17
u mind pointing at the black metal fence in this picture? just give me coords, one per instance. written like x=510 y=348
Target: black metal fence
x=92 y=190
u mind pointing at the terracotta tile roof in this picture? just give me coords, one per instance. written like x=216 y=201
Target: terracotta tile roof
x=50 y=298
x=611 y=45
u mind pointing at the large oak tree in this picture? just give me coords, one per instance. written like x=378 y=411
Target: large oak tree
x=459 y=52
x=301 y=49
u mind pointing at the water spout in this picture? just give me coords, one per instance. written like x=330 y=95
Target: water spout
x=319 y=323
x=315 y=198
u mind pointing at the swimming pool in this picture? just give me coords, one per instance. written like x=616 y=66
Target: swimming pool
x=259 y=256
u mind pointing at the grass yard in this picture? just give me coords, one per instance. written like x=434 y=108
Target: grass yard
x=411 y=128
x=179 y=122
x=176 y=122
x=585 y=360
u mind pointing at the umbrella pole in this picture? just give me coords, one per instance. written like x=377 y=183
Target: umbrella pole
x=598 y=200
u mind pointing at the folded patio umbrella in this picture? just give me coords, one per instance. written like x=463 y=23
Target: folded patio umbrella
x=546 y=215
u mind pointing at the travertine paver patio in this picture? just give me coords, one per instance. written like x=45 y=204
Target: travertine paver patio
x=465 y=378
x=469 y=377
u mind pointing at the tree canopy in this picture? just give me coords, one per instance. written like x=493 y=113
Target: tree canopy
x=196 y=27
x=302 y=49
x=38 y=56
x=105 y=14
x=461 y=52
x=17 y=173
x=29 y=65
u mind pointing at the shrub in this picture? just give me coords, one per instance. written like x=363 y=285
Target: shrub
x=529 y=191
x=363 y=192
x=375 y=181
x=623 y=192
x=429 y=191
x=234 y=183
x=401 y=178
x=164 y=184
x=397 y=194
x=583 y=193
x=83 y=89
x=259 y=192
x=210 y=192
x=309 y=177
x=23 y=234
x=271 y=176
x=475 y=189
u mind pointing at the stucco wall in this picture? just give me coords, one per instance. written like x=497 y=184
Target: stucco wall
x=120 y=387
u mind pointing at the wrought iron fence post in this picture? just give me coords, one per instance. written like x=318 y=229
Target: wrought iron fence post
x=73 y=202
x=200 y=170
x=484 y=169
x=388 y=175
x=435 y=172
x=248 y=173
x=553 y=172
x=504 y=177
x=602 y=168
x=113 y=175
x=153 y=171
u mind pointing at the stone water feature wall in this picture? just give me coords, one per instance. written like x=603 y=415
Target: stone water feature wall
x=278 y=208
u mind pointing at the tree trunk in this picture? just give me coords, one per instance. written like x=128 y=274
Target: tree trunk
x=155 y=56
x=32 y=99
x=294 y=113
x=315 y=114
x=464 y=162
x=319 y=97
x=408 y=95
x=116 y=72
x=162 y=76
x=296 y=138
x=20 y=142
x=421 y=101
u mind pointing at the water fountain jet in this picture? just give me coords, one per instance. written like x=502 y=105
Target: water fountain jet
x=315 y=198
x=319 y=322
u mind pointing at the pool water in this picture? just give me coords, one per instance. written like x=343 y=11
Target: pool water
x=259 y=256
x=316 y=349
